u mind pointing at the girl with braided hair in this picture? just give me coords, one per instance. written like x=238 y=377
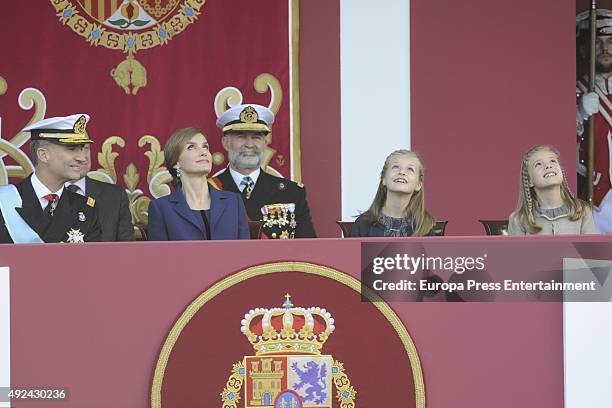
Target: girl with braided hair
x=546 y=205
x=398 y=209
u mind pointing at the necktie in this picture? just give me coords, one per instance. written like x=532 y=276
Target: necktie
x=74 y=188
x=53 y=199
x=248 y=184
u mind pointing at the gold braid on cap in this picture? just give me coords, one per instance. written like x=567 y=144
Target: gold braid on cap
x=249 y=122
x=249 y=115
x=79 y=125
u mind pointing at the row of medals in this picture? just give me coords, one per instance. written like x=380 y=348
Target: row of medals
x=280 y=215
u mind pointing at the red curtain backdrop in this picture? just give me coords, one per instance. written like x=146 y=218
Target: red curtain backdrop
x=230 y=44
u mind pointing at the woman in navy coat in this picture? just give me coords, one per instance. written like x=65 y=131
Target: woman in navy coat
x=195 y=210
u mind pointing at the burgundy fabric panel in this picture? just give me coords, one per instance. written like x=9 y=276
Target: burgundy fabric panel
x=230 y=44
x=489 y=80
x=364 y=341
x=93 y=326
x=320 y=111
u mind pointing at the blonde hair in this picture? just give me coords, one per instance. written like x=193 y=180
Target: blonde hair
x=422 y=222
x=173 y=149
x=528 y=204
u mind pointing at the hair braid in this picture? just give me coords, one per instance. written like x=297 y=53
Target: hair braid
x=577 y=207
x=528 y=203
x=528 y=198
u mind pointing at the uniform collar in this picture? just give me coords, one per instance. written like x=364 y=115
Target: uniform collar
x=239 y=176
x=80 y=184
x=605 y=85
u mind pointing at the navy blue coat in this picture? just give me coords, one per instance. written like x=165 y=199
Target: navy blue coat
x=171 y=219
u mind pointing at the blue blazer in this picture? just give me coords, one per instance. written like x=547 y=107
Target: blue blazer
x=171 y=219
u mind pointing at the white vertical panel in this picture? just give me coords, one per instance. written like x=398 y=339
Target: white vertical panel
x=588 y=354
x=375 y=93
x=5 y=331
x=587 y=346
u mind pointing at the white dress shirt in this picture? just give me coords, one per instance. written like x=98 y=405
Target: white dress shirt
x=80 y=184
x=41 y=191
x=238 y=177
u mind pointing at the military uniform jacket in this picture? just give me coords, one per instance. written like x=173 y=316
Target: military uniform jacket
x=72 y=212
x=113 y=210
x=273 y=190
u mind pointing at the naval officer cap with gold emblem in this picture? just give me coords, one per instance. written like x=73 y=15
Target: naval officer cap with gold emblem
x=246 y=118
x=66 y=130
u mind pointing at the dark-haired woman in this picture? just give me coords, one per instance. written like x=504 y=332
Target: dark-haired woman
x=195 y=210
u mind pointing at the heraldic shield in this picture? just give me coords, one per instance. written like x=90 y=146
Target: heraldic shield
x=288 y=370
x=287 y=335
x=128 y=26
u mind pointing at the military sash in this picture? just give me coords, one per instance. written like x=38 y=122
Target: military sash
x=18 y=229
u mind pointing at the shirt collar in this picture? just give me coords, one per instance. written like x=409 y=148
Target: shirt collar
x=603 y=84
x=80 y=184
x=41 y=190
x=238 y=177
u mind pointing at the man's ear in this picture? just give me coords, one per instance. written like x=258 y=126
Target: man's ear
x=43 y=154
x=225 y=141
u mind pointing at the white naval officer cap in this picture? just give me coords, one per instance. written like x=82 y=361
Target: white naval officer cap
x=246 y=118
x=62 y=129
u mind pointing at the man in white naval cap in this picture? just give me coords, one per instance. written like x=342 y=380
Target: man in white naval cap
x=40 y=209
x=280 y=203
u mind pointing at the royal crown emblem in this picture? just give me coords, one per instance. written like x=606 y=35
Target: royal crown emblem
x=288 y=369
x=128 y=26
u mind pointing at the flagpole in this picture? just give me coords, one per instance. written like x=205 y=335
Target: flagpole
x=591 y=122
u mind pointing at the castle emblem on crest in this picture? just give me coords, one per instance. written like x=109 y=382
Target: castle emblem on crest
x=288 y=369
x=128 y=26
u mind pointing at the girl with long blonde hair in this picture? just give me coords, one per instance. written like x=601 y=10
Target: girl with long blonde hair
x=546 y=204
x=398 y=209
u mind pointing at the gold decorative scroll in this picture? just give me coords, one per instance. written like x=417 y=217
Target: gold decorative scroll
x=28 y=98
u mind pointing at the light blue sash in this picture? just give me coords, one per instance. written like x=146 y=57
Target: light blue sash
x=18 y=229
